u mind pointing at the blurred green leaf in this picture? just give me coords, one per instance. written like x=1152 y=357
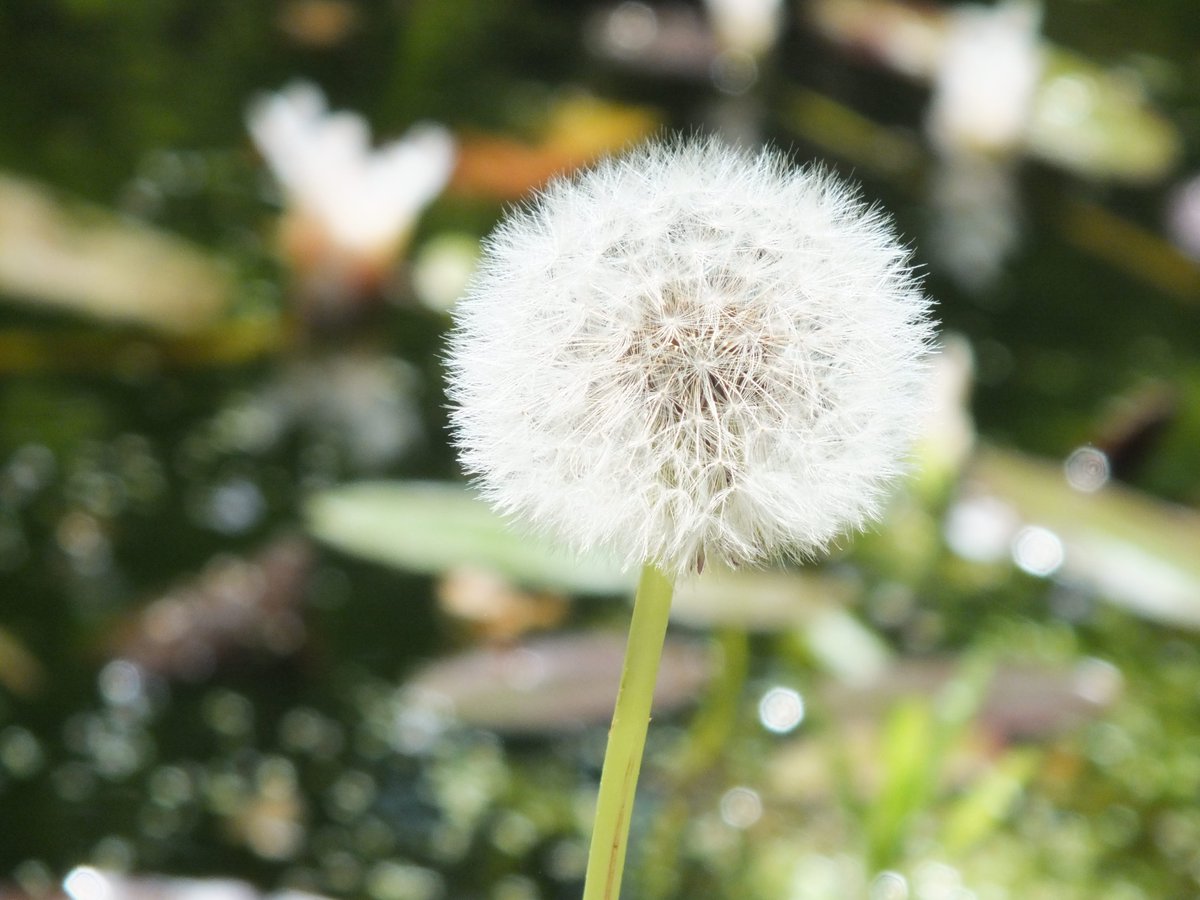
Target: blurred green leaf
x=1121 y=544
x=429 y=527
x=233 y=341
x=1097 y=124
x=759 y=600
x=907 y=749
x=89 y=260
x=985 y=804
x=917 y=737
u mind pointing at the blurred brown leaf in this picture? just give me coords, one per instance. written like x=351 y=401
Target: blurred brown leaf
x=577 y=130
x=556 y=684
x=236 y=608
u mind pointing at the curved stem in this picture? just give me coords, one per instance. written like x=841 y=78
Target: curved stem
x=627 y=736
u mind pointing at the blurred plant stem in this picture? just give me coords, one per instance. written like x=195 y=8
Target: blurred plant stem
x=709 y=732
x=701 y=746
x=627 y=736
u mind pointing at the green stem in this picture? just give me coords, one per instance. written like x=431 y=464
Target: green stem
x=627 y=736
x=703 y=744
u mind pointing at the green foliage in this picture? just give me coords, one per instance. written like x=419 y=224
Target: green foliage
x=433 y=528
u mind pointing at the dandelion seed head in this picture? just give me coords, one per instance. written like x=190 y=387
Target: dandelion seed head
x=691 y=351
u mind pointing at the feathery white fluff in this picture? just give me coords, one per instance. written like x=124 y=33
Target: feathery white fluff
x=691 y=351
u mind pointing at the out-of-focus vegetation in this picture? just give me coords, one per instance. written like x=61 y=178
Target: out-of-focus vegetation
x=247 y=648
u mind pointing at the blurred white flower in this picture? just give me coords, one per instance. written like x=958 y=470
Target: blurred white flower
x=691 y=350
x=1183 y=216
x=987 y=74
x=362 y=405
x=343 y=197
x=746 y=26
x=976 y=223
x=990 y=64
x=745 y=30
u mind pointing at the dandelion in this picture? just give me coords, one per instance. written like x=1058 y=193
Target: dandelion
x=692 y=352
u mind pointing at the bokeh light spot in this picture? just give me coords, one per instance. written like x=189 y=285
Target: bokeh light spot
x=1038 y=551
x=741 y=807
x=86 y=883
x=780 y=710
x=1087 y=469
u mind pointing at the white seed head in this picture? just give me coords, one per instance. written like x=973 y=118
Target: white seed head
x=691 y=351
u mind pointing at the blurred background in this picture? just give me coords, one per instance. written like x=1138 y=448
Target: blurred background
x=257 y=639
